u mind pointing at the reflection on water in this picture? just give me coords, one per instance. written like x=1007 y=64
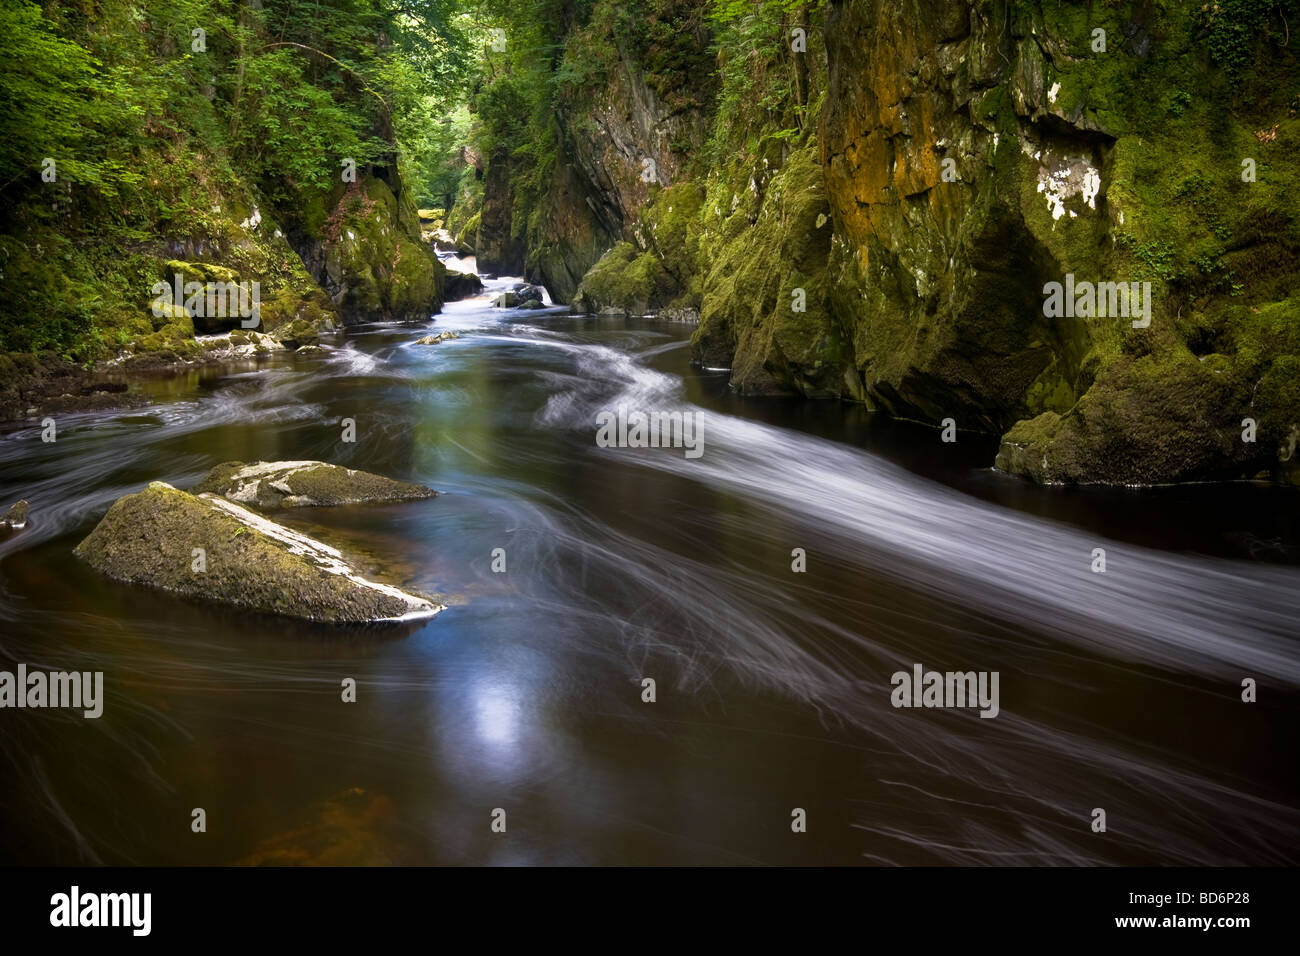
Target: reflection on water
x=1118 y=691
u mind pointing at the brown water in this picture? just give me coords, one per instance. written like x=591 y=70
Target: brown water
x=1117 y=690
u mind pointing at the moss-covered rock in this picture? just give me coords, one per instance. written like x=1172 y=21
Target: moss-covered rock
x=568 y=234
x=197 y=271
x=764 y=312
x=298 y=484
x=461 y=285
x=309 y=311
x=298 y=334
x=176 y=336
x=467 y=237
x=626 y=280
x=499 y=244
x=971 y=158
x=209 y=548
x=1146 y=420
x=369 y=257
x=165 y=313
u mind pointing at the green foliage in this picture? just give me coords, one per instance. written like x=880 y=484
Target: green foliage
x=761 y=91
x=1177 y=102
x=1155 y=256
x=668 y=38
x=1233 y=29
x=53 y=103
x=282 y=113
x=159 y=140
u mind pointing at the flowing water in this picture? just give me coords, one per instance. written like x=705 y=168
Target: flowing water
x=1118 y=691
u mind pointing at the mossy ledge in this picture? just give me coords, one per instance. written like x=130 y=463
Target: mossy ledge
x=152 y=539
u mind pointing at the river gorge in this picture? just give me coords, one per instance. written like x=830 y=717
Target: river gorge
x=650 y=433
x=1119 y=690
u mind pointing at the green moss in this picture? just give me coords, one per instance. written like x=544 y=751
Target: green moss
x=468 y=235
x=375 y=254
x=1148 y=419
x=198 y=271
x=765 y=310
x=170 y=314
x=628 y=280
x=150 y=539
x=295 y=485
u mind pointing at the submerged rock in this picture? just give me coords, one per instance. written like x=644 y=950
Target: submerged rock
x=354 y=828
x=303 y=484
x=206 y=547
x=15 y=518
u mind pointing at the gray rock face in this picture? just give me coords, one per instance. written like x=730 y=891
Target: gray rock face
x=522 y=296
x=299 y=484
x=528 y=293
x=499 y=249
x=206 y=547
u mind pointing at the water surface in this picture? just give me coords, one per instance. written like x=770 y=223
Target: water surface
x=1117 y=690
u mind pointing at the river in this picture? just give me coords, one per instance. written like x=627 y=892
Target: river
x=1118 y=690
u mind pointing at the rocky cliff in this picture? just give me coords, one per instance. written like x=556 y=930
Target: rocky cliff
x=881 y=215
x=1100 y=142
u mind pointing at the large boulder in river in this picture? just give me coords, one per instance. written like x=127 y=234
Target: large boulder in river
x=246 y=561
x=363 y=246
x=461 y=285
x=528 y=293
x=299 y=484
x=520 y=297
